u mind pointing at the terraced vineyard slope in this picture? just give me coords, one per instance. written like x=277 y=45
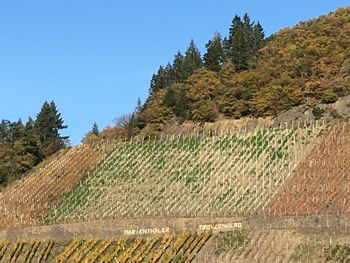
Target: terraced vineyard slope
x=169 y=248
x=224 y=175
x=322 y=183
x=274 y=245
x=27 y=201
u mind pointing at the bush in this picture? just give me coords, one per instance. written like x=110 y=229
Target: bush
x=318 y=112
x=329 y=97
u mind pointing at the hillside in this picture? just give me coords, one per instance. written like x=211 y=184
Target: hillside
x=229 y=174
x=306 y=65
x=250 y=187
x=272 y=189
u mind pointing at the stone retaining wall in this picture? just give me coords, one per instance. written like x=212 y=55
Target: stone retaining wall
x=333 y=224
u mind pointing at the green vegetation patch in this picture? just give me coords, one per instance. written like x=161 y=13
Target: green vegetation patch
x=229 y=242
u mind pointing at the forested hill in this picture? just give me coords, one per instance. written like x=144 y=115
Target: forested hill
x=244 y=74
x=24 y=145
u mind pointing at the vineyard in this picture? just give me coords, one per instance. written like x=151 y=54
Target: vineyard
x=274 y=246
x=206 y=247
x=168 y=248
x=322 y=183
x=27 y=201
x=198 y=176
x=207 y=192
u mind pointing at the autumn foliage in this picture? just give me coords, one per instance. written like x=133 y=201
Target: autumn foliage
x=306 y=64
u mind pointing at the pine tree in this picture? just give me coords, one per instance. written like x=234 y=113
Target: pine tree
x=244 y=41
x=138 y=105
x=214 y=57
x=16 y=130
x=95 y=130
x=48 y=125
x=177 y=100
x=192 y=60
x=178 y=68
x=31 y=140
x=237 y=45
x=4 y=128
x=259 y=37
x=158 y=80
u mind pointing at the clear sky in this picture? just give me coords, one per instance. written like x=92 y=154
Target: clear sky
x=94 y=58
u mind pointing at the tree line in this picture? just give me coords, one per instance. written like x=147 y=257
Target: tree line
x=246 y=74
x=24 y=145
x=188 y=87
x=239 y=48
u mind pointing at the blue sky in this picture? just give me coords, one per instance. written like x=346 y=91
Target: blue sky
x=94 y=58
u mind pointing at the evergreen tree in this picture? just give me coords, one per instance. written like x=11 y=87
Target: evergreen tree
x=248 y=29
x=162 y=79
x=138 y=105
x=95 y=130
x=237 y=45
x=192 y=60
x=214 y=57
x=31 y=141
x=178 y=68
x=48 y=125
x=244 y=41
x=4 y=128
x=259 y=36
x=24 y=145
x=158 y=80
x=16 y=130
x=177 y=100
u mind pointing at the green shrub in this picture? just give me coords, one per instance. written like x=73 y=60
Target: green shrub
x=318 y=112
x=329 y=97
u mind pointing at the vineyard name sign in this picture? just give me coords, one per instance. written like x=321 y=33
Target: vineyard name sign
x=164 y=230
x=146 y=231
x=220 y=226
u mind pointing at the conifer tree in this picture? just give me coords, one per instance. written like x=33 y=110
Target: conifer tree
x=138 y=105
x=244 y=41
x=95 y=130
x=48 y=125
x=237 y=45
x=177 y=100
x=259 y=36
x=178 y=68
x=4 y=128
x=16 y=130
x=192 y=60
x=31 y=140
x=158 y=80
x=214 y=57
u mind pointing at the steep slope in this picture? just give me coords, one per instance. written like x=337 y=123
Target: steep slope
x=321 y=183
x=303 y=65
x=27 y=201
x=217 y=175
x=169 y=248
x=275 y=245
